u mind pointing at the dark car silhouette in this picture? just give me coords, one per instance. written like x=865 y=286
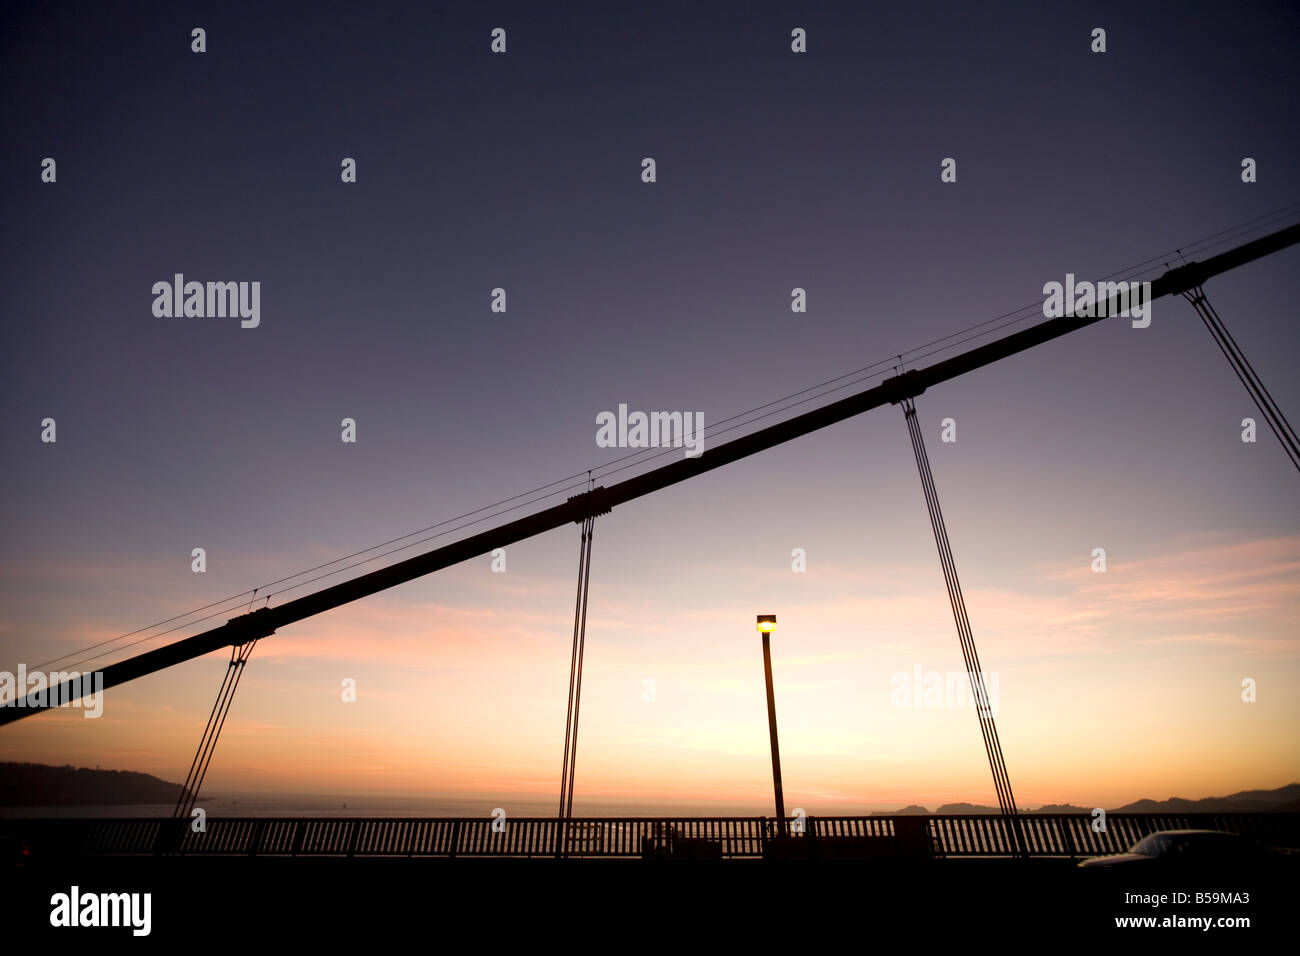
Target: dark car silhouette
x=1190 y=848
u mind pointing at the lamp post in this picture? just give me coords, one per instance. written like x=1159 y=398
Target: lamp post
x=766 y=625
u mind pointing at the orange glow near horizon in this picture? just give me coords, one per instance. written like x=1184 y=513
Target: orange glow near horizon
x=1108 y=688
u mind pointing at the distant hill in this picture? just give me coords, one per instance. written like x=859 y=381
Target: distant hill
x=1046 y=808
x=38 y=785
x=965 y=808
x=915 y=810
x=1282 y=800
x=1248 y=801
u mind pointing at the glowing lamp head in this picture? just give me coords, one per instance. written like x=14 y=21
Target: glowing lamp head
x=767 y=623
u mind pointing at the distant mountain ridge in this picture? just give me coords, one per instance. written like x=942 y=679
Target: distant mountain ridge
x=1282 y=800
x=1247 y=801
x=40 y=785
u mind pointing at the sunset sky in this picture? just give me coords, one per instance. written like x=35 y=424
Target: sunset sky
x=775 y=170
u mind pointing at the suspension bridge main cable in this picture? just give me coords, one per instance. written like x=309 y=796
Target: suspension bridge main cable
x=645 y=456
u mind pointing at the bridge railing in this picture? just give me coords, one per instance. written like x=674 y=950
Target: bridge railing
x=956 y=836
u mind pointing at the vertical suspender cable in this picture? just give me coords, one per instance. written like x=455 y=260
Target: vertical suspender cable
x=575 y=677
x=573 y=669
x=239 y=655
x=1246 y=374
x=582 y=644
x=988 y=730
x=183 y=799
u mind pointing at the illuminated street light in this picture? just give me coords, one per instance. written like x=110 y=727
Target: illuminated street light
x=766 y=625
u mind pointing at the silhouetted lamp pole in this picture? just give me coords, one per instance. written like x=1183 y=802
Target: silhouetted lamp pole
x=766 y=625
